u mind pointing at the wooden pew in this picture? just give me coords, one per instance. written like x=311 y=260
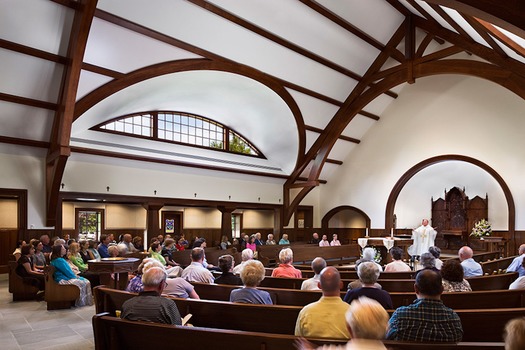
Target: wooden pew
x=493 y=299
x=332 y=255
x=492 y=282
x=352 y=275
x=494 y=266
x=59 y=296
x=113 y=333
x=459 y=300
x=280 y=319
x=305 y=253
x=20 y=289
x=212 y=256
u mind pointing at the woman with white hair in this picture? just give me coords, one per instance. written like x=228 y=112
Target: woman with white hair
x=367 y=323
x=368 y=274
x=252 y=274
x=286 y=268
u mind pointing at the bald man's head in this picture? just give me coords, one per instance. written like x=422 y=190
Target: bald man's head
x=521 y=249
x=330 y=281
x=465 y=253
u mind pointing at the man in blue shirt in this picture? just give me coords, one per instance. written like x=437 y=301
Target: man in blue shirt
x=470 y=267
x=427 y=319
x=103 y=246
x=517 y=263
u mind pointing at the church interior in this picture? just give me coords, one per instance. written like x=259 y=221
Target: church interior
x=212 y=118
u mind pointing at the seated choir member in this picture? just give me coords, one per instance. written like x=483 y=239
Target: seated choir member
x=27 y=269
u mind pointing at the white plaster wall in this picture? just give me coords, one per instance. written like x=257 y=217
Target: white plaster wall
x=23 y=168
x=436 y=116
x=257 y=219
x=202 y=218
x=94 y=174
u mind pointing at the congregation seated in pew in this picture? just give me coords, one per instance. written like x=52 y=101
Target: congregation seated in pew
x=452 y=275
x=286 y=268
x=311 y=321
x=368 y=275
x=318 y=264
x=149 y=305
x=226 y=263
x=196 y=272
x=366 y=321
x=427 y=319
x=251 y=275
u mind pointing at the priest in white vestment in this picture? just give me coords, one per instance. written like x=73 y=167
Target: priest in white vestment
x=423 y=237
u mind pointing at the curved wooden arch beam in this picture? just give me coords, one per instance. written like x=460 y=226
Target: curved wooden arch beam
x=394 y=194
x=503 y=77
x=195 y=65
x=509 y=14
x=59 y=149
x=326 y=218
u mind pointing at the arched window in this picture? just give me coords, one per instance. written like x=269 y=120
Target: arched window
x=180 y=128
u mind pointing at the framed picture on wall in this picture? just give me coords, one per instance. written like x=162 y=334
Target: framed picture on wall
x=170 y=226
x=300 y=223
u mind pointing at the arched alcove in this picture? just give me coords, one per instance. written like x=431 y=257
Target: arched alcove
x=407 y=176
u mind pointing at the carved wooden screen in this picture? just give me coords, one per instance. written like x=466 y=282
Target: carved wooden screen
x=456 y=213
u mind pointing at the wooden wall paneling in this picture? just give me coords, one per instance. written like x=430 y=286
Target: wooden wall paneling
x=8 y=239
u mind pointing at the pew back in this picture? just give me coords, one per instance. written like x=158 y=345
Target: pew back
x=112 y=333
x=478 y=325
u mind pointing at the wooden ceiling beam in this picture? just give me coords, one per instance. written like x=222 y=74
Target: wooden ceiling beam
x=318 y=152
x=279 y=40
x=28 y=101
x=503 y=38
x=508 y=14
x=484 y=34
x=449 y=20
x=314 y=5
x=59 y=150
x=341 y=137
x=30 y=51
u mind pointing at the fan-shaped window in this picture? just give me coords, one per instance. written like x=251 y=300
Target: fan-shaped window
x=181 y=128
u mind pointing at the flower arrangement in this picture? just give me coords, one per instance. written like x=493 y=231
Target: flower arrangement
x=377 y=255
x=481 y=228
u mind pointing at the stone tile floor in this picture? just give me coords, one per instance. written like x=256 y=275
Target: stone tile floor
x=28 y=324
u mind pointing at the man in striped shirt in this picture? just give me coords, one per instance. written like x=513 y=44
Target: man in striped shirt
x=427 y=319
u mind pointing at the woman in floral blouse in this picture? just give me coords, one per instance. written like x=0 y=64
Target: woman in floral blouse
x=452 y=277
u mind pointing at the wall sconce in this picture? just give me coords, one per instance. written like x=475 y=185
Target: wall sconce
x=155 y=192
x=107 y=188
x=279 y=200
x=259 y=199
x=229 y=197
x=62 y=185
x=195 y=195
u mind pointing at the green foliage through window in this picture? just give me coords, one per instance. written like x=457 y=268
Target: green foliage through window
x=183 y=128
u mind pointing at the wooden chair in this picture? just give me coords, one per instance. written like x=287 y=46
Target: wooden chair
x=59 y=296
x=20 y=289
